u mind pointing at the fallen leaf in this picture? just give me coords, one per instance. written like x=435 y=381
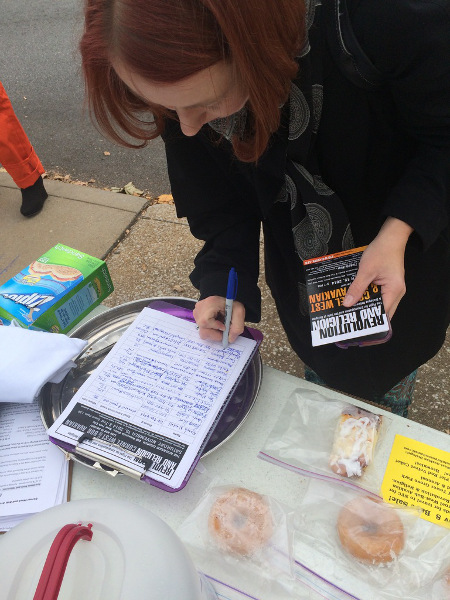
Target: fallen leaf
x=79 y=182
x=132 y=190
x=91 y=181
x=58 y=177
x=106 y=153
x=118 y=190
x=165 y=199
x=2 y=170
x=66 y=177
x=177 y=288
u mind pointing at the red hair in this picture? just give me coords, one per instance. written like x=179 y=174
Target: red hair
x=165 y=41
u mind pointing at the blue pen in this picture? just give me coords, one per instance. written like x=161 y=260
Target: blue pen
x=231 y=295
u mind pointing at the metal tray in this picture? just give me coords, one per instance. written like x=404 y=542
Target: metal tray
x=102 y=332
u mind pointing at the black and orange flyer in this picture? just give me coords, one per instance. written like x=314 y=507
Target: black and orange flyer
x=327 y=280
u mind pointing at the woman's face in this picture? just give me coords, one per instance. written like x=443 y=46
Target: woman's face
x=198 y=99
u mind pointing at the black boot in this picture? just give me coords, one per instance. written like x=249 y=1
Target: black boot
x=33 y=198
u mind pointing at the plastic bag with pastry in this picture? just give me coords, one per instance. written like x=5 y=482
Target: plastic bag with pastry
x=243 y=538
x=366 y=547
x=354 y=441
x=304 y=434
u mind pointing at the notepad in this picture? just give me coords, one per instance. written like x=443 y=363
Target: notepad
x=150 y=407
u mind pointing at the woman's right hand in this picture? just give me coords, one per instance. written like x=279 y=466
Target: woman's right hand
x=209 y=314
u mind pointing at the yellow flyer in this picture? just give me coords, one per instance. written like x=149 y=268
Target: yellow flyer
x=419 y=475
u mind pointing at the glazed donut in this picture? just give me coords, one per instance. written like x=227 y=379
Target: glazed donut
x=370 y=530
x=240 y=521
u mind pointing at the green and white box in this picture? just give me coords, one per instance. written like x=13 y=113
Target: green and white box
x=56 y=291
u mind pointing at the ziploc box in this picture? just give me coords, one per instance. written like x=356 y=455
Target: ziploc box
x=56 y=291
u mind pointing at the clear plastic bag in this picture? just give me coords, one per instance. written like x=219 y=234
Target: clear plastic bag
x=440 y=589
x=328 y=439
x=243 y=540
x=336 y=538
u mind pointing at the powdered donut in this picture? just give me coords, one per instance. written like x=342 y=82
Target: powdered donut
x=370 y=530
x=240 y=521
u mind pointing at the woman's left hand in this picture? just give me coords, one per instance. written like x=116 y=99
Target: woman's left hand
x=382 y=263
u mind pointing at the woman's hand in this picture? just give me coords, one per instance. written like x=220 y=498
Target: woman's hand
x=382 y=263
x=209 y=315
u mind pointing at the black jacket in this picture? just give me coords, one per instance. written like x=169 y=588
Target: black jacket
x=384 y=152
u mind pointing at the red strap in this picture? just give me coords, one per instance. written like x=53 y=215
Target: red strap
x=57 y=559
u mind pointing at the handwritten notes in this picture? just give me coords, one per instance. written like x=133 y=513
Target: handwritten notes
x=154 y=398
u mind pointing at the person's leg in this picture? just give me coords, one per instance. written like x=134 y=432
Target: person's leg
x=33 y=198
x=312 y=377
x=19 y=158
x=398 y=399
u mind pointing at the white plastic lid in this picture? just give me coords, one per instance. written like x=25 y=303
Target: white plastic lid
x=132 y=554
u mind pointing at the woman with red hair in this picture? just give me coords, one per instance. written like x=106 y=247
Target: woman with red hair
x=326 y=122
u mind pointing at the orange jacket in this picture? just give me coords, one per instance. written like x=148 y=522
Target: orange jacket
x=16 y=152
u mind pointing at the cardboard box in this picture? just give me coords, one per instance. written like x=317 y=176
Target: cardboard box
x=56 y=291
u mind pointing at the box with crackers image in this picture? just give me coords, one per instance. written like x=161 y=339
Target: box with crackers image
x=56 y=291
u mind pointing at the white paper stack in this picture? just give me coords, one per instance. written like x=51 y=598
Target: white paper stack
x=33 y=472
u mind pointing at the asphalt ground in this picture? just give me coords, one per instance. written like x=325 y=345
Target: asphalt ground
x=149 y=252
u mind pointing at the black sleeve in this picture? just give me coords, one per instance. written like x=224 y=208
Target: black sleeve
x=409 y=42
x=221 y=210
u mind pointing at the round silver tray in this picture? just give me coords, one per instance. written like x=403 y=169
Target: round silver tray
x=102 y=332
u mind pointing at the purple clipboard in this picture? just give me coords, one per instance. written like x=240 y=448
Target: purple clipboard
x=231 y=414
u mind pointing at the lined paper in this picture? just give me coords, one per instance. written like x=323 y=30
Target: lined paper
x=152 y=401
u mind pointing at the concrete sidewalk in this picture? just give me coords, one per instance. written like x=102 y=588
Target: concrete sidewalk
x=149 y=252
x=88 y=219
